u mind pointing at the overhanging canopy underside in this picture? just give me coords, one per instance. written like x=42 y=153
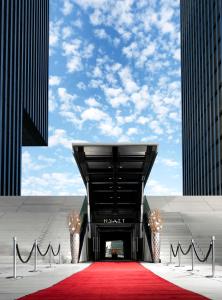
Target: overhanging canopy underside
x=115 y=173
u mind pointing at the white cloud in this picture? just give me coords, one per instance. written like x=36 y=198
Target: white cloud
x=115 y=96
x=81 y=85
x=123 y=139
x=67 y=32
x=109 y=129
x=176 y=54
x=154 y=187
x=76 y=51
x=54 y=183
x=97 y=72
x=92 y=102
x=93 y=114
x=59 y=137
x=91 y=3
x=54 y=80
x=78 y=23
x=101 y=33
x=32 y=163
x=52 y=101
x=146 y=53
x=128 y=83
x=175 y=116
x=124 y=91
x=72 y=47
x=169 y=162
x=105 y=124
x=149 y=139
x=155 y=126
x=29 y=164
x=66 y=99
x=87 y=51
x=124 y=119
x=132 y=131
x=131 y=50
x=67 y=7
x=141 y=98
x=74 y=64
x=54 y=35
x=143 y=120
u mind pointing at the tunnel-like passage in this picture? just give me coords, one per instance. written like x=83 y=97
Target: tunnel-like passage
x=115 y=176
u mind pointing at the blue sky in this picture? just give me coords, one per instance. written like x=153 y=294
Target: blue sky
x=114 y=76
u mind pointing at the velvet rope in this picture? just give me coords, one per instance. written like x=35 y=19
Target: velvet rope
x=24 y=261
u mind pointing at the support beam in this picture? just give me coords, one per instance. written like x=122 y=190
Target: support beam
x=88 y=211
x=141 y=209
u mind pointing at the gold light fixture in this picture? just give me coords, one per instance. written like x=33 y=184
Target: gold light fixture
x=155 y=221
x=74 y=222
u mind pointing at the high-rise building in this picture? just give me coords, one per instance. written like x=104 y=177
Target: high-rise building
x=201 y=24
x=24 y=35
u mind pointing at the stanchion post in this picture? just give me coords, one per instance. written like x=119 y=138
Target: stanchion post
x=213 y=255
x=170 y=254
x=179 y=255
x=35 y=259
x=192 y=254
x=14 y=257
x=60 y=255
x=50 y=255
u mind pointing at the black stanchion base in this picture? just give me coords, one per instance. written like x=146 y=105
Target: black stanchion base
x=34 y=271
x=50 y=267
x=12 y=277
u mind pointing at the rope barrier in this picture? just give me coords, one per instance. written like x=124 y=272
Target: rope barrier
x=193 y=250
x=47 y=250
x=57 y=251
x=174 y=254
x=207 y=255
x=36 y=250
x=24 y=261
x=185 y=252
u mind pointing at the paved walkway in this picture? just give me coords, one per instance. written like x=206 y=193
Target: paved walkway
x=114 y=280
x=30 y=282
x=196 y=281
x=199 y=280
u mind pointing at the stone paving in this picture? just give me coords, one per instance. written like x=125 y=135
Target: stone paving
x=29 y=282
x=199 y=280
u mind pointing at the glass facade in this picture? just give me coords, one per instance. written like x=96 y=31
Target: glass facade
x=24 y=35
x=201 y=96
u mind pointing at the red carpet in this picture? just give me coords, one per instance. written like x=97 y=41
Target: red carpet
x=112 y=281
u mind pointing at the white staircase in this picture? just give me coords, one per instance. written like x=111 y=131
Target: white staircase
x=30 y=218
x=176 y=229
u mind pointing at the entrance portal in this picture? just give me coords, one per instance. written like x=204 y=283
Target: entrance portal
x=114 y=250
x=115 y=245
x=115 y=242
x=115 y=176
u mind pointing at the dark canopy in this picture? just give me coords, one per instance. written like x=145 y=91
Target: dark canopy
x=115 y=173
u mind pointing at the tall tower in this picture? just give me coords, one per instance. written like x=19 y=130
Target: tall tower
x=201 y=46
x=24 y=35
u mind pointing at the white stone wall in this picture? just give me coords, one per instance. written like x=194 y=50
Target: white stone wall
x=45 y=218
x=185 y=217
x=42 y=218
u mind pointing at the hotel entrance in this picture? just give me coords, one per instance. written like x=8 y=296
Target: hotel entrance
x=115 y=243
x=115 y=177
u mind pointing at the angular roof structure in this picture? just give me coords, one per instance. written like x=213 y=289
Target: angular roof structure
x=115 y=173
